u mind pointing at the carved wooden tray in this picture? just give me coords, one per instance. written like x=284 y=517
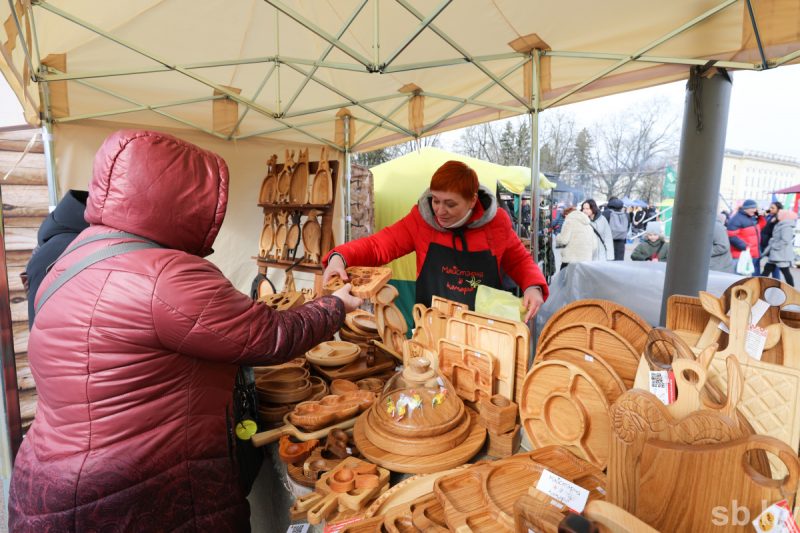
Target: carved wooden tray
x=366 y=281
x=265 y=437
x=386 y=295
x=470 y=371
x=283 y=301
x=448 y=307
x=359 y=368
x=501 y=344
x=312 y=416
x=267 y=239
x=333 y=353
x=312 y=237
x=481 y=498
x=269 y=187
x=628 y=324
x=322 y=185
x=562 y=404
x=518 y=329
x=408 y=490
x=285 y=178
x=422 y=514
x=605 y=342
x=421 y=464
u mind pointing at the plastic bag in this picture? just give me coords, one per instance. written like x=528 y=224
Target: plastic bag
x=744 y=266
x=499 y=303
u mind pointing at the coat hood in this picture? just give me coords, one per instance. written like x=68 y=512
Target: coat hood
x=160 y=187
x=615 y=203
x=486 y=200
x=579 y=217
x=67 y=217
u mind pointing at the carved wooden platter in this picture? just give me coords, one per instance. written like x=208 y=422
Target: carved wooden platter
x=605 y=342
x=267 y=239
x=265 y=437
x=407 y=490
x=315 y=415
x=562 y=404
x=448 y=307
x=269 y=187
x=359 y=368
x=322 y=185
x=601 y=372
x=422 y=464
x=366 y=281
x=501 y=344
x=283 y=301
x=625 y=322
x=312 y=235
x=470 y=371
x=333 y=353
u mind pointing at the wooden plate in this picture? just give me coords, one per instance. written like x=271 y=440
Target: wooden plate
x=422 y=464
x=365 y=322
x=333 y=353
x=605 y=342
x=394 y=318
x=387 y=295
x=562 y=404
x=386 y=440
x=628 y=324
x=359 y=368
x=603 y=373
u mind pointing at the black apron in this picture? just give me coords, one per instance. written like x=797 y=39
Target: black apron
x=456 y=274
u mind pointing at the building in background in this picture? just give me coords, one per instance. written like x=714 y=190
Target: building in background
x=750 y=174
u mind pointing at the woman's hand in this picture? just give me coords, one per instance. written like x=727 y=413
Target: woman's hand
x=532 y=300
x=335 y=267
x=351 y=303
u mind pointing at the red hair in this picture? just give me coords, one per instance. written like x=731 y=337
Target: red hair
x=455 y=176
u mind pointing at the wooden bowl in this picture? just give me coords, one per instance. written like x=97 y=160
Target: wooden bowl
x=285 y=392
x=342 y=386
x=333 y=353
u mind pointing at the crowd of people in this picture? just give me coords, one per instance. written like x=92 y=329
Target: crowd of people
x=593 y=234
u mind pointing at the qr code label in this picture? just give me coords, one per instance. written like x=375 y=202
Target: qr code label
x=298 y=528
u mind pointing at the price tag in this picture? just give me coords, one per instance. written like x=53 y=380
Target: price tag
x=588 y=358
x=755 y=341
x=662 y=385
x=777 y=518
x=756 y=312
x=566 y=492
x=302 y=527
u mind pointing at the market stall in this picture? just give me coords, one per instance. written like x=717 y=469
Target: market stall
x=345 y=76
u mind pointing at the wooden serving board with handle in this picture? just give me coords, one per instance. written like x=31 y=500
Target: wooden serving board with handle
x=322 y=184
x=679 y=486
x=625 y=322
x=298 y=187
x=365 y=281
x=518 y=329
x=562 y=404
x=269 y=186
x=267 y=239
x=265 y=437
x=603 y=341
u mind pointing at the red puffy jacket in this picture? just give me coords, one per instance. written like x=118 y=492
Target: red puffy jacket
x=489 y=228
x=135 y=357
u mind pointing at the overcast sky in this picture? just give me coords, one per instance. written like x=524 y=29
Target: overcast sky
x=764 y=110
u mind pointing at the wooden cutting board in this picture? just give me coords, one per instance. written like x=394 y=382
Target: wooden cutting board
x=601 y=372
x=270 y=184
x=298 y=188
x=680 y=486
x=422 y=464
x=686 y=317
x=292 y=239
x=267 y=238
x=501 y=344
x=518 y=329
x=322 y=186
x=603 y=341
x=312 y=237
x=285 y=178
x=625 y=322
x=562 y=404
x=448 y=307
x=281 y=232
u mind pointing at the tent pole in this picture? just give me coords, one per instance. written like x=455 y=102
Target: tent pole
x=534 y=123
x=705 y=121
x=348 y=174
x=47 y=142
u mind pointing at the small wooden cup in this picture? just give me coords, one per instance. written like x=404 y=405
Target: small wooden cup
x=504 y=444
x=499 y=414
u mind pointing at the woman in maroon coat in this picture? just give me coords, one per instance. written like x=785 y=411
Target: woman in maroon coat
x=461 y=239
x=135 y=357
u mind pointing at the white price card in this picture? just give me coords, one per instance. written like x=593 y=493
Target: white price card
x=566 y=492
x=756 y=312
x=298 y=528
x=755 y=341
x=662 y=385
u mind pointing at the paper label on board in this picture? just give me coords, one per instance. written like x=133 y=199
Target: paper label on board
x=756 y=312
x=777 y=518
x=566 y=492
x=662 y=385
x=588 y=358
x=302 y=527
x=755 y=341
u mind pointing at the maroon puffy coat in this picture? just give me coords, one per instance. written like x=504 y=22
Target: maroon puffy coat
x=135 y=357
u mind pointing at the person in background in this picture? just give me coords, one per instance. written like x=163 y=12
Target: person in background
x=653 y=247
x=766 y=232
x=721 y=247
x=576 y=240
x=525 y=210
x=780 y=250
x=558 y=222
x=54 y=235
x=604 y=251
x=461 y=238
x=619 y=224
x=744 y=232
x=134 y=356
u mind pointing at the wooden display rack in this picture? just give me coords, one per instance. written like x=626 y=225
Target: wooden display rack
x=326 y=223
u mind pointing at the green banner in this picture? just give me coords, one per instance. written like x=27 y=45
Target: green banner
x=670 y=183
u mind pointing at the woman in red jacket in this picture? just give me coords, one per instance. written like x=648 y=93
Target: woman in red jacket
x=461 y=238
x=135 y=356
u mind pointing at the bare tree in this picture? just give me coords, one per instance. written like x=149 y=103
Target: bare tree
x=558 y=141
x=632 y=147
x=382 y=155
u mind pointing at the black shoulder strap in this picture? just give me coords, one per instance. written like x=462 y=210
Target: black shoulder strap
x=598 y=236
x=105 y=253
